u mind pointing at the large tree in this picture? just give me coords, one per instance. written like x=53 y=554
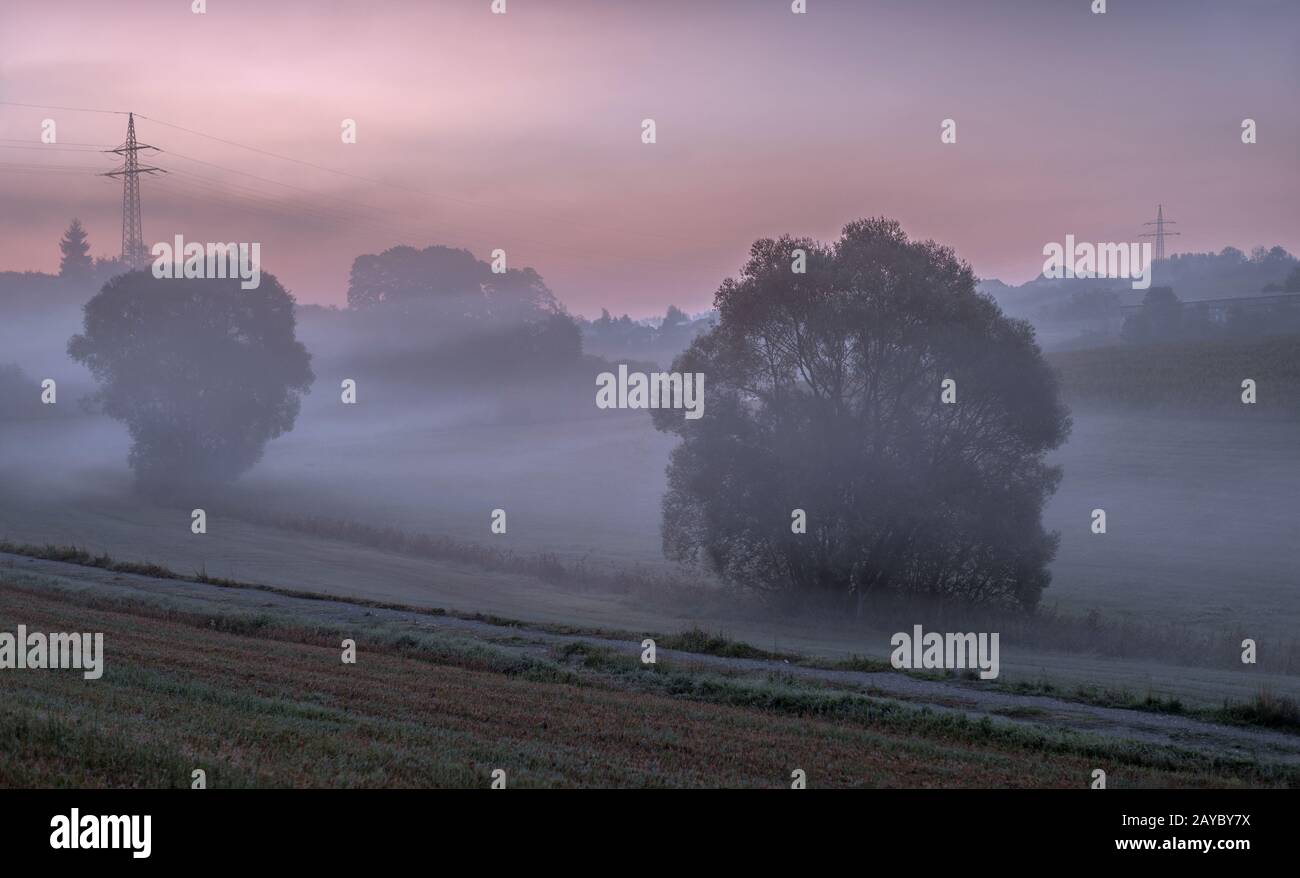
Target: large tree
x=202 y=372
x=823 y=393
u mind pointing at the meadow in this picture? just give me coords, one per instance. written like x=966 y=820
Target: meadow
x=253 y=692
x=1199 y=551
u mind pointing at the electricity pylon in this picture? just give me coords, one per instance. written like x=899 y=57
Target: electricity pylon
x=1159 y=234
x=133 y=249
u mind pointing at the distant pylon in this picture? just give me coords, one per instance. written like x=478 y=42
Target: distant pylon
x=134 y=253
x=1159 y=234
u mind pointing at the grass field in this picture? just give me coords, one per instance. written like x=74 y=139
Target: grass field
x=1200 y=509
x=1200 y=543
x=263 y=699
x=247 y=685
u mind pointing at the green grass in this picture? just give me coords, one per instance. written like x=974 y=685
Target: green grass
x=261 y=699
x=1265 y=709
x=697 y=640
x=861 y=664
x=83 y=558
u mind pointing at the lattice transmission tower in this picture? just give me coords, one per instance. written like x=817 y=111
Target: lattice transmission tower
x=1159 y=234
x=134 y=253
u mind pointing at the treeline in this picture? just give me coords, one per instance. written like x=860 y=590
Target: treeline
x=440 y=314
x=1164 y=317
x=656 y=341
x=80 y=275
x=1204 y=375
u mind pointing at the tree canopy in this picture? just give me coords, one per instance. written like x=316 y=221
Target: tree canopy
x=449 y=282
x=202 y=372
x=823 y=394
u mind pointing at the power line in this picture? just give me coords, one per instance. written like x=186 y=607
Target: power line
x=303 y=189
x=66 y=109
x=584 y=252
x=38 y=169
x=407 y=188
x=50 y=147
x=64 y=143
x=295 y=210
x=364 y=179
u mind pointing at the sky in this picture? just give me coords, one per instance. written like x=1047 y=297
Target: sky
x=523 y=131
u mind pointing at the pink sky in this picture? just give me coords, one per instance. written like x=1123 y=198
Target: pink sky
x=522 y=131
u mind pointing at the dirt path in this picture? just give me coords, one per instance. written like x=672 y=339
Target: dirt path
x=970 y=698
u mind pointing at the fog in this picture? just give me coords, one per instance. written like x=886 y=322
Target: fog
x=1201 y=505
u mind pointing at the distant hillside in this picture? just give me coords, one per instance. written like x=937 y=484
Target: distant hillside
x=1087 y=312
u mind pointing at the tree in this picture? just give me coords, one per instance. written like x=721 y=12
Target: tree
x=1160 y=320
x=202 y=372
x=107 y=268
x=75 y=263
x=18 y=393
x=823 y=394
x=450 y=283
